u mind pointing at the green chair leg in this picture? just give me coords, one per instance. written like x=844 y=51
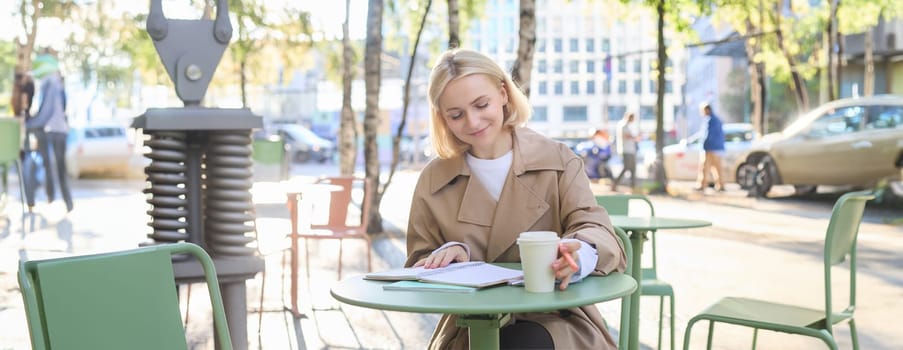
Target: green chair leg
x=755 y=337
x=853 y=334
x=671 y=304
x=708 y=342
x=661 y=308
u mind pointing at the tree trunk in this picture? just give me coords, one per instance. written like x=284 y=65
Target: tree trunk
x=406 y=100
x=661 y=181
x=520 y=72
x=757 y=82
x=454 y=40
x=868 y=83
x=24 y=51
x=799 y=87
x=348 y=124
x=373 y=51
x=831 y=53
x=243 y=74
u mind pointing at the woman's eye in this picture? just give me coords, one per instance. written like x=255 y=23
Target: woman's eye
x=456 y=116
x=484 y=105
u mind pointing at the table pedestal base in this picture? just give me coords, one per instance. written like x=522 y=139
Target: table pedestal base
x=484 y=329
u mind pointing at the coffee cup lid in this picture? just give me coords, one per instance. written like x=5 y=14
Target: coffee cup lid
x=537 y=236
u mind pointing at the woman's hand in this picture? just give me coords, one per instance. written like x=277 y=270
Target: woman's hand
x=562 y=267
x=444 y=257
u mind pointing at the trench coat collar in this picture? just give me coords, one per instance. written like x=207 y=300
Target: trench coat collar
x=519 y=206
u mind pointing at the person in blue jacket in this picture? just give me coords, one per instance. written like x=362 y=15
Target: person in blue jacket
x=595 y=153
x=713 y=145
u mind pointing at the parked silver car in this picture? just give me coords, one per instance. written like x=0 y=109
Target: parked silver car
x=304 y=144
x=854 y=142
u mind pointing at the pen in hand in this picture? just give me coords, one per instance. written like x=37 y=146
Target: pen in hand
x=567 y=256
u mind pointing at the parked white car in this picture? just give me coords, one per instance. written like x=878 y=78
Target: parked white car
x=682 y=159
x=98 y=147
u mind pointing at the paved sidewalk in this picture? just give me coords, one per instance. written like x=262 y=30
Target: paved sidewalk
x=752 y=250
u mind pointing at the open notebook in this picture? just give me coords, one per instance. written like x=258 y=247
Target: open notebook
x=476 y=274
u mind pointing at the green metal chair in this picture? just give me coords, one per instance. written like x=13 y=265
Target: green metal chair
x=10 y=144
x=840 y=242
x=623 y=339
x=619 y=205
x=118 y=300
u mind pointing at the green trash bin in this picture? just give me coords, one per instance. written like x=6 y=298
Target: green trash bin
x=270 y=158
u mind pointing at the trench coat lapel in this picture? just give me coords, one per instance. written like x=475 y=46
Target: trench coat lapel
x=521 y=204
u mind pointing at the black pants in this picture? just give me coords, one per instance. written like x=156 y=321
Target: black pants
x=525 y=335
x=52 y=147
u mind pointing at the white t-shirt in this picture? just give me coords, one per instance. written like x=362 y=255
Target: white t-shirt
x=491 y=172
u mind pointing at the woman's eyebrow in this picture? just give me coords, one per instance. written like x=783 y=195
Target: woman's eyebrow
x=472 y=102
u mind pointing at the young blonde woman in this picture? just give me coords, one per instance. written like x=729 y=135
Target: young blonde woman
x=492 y=180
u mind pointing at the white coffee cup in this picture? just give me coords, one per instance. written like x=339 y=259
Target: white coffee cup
x=538 y=250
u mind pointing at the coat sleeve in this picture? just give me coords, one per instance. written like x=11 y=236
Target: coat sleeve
x=423 y=234
x=585 y=220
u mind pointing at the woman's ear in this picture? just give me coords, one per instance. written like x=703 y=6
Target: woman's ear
x=504 y=93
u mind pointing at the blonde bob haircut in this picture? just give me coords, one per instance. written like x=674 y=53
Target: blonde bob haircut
x=457 y=63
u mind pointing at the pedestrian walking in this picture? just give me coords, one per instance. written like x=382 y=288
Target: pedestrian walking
x=627 y=136
x=713 y=145
x=50 y=126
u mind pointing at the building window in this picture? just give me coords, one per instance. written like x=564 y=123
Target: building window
x=543 y=88
x=558 y=44
x=622 y=87
x=574 y=45
x=622 y=65
x=541 y=66
x=637 y=87
x=647 y=113
x=590 y=66
x=558 y=66
x=606 y=86
x=652 y=86
x=590 y=87
x=574 y=66
x=606 y=45
x=574 y=113
x=540 y=114
x=616 y=112
x=510 y=47
x=637 y=65
x=559 y=88
x=575 y=88
x=668 y=87
x=590 y=45
x=540 y=45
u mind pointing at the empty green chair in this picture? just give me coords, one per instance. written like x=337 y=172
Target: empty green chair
x=119 y=300
x=619 y=204
x=840 y=244
x=10 y=144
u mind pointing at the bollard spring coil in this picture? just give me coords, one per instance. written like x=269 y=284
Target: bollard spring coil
x=166 y=186
x=227 y=203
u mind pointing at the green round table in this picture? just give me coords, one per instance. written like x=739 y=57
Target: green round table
x=485 y=310
x=637 y=227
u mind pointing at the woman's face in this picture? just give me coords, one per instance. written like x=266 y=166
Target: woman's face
x=472 y=109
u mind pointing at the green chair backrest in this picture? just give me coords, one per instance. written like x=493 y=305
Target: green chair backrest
x=619 y=204
x=840 y=242
x=119 y=300
x=10 y=139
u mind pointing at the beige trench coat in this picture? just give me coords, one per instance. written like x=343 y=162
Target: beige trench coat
x=546 y=189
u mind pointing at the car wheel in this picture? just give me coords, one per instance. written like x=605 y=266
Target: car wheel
x=746 y=175
x=764 y=178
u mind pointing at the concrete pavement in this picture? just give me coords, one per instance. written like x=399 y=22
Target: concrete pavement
x=767 y=249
